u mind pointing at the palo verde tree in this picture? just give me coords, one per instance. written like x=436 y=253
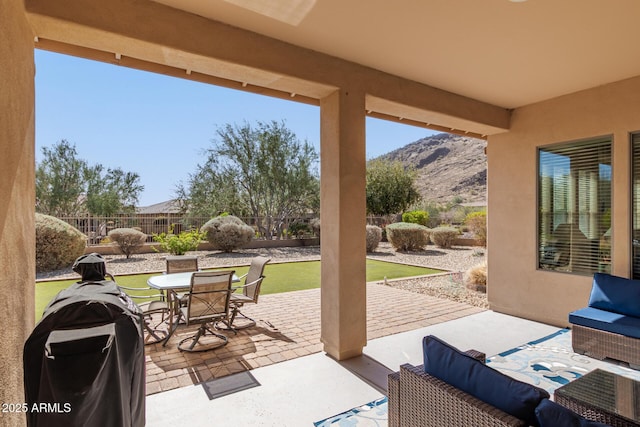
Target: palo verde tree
x=69 y=186
x=390 y=187
x=262 y=171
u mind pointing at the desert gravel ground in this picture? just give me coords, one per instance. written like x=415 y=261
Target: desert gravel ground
x=455 y=261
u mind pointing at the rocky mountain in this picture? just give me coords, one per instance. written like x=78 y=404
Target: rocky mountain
x=448 y=166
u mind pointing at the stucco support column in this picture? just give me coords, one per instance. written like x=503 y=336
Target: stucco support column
x=17 y=192
x=342 y=215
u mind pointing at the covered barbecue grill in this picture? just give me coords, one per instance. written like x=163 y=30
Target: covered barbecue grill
x=84 y=361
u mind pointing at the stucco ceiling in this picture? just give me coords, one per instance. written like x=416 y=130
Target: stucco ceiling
x=506 y=53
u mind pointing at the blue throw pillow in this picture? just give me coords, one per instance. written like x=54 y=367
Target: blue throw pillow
x=616 y=294
x=550 y=414
x=477 y=379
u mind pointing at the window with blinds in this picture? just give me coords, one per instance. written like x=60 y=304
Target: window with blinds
x=574 y=207
x=635 y=165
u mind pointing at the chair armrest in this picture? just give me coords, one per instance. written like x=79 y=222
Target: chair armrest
x=153 y=296
x=478 y=355
x=393 y=403
x=235 y=288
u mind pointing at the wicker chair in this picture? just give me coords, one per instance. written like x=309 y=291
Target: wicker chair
x=601 y=344
x=417 y=399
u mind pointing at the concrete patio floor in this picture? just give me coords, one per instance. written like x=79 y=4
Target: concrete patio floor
x=305 y=389
x=289 y=328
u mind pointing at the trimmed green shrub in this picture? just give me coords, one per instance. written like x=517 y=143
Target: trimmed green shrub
x=129 y=240
x=405 y=236
x=58 y=244
x=299 y=229
x=444 y=237
x=227 y=233
x=374 y=235
x=416 y=217
x=181 y=243
x=477 y=223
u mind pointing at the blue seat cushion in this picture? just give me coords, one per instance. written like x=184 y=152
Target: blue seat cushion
x=463 y=372
x=550 y=414
x=606 y=321
x=616 y=294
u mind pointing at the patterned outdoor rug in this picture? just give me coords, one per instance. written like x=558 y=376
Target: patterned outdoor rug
x=550 y=362
x=372 y=414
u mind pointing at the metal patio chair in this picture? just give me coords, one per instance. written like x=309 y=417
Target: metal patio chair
x=155 y=312
x=181 y=264
x=250 y=293
x=207 y=303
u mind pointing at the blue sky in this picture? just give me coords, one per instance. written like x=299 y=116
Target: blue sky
x=158 y=126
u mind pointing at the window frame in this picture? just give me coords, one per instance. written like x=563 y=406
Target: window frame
x=540 y=249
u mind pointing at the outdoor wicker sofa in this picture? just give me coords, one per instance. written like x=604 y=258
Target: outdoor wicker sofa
x=609 y=327
x=456 y=389
x=419 y=399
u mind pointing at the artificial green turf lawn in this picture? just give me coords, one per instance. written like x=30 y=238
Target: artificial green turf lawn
x=284 y=277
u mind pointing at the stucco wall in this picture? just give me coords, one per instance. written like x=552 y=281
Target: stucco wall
x=17 y=193
x=515 y=285
x=343 y=301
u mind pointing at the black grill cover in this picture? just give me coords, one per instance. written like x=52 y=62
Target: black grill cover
x=84 y=361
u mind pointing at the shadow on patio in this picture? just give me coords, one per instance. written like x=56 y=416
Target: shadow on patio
x=289 y=327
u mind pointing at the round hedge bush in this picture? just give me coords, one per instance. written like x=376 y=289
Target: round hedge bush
x=444 y=237
x=374 y=235
x=227 y=233
x=129 y=240
x=405 y=236
x=58 y=244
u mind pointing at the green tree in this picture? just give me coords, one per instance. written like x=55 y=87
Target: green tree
x=111 y=192
x=59 y=181
x=390 y=187
x=68 y=186
x=262 y=171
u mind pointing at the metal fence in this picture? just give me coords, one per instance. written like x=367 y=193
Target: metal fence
x=97 y=228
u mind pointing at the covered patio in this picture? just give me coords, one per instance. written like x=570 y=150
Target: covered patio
x=524 y=75
x=288 y=327
x=311 y=388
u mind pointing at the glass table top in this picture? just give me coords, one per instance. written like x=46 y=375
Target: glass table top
x=607 y=391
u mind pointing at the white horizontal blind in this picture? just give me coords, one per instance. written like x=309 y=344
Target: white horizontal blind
x=574 y=204
x=635 y=147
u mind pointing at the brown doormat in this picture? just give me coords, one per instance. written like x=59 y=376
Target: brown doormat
x=223 y=386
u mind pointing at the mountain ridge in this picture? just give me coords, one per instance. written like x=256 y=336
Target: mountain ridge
x=448 y=166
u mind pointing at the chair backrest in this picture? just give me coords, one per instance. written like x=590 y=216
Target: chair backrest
x=209 y=295
x=181 y=264
x=254 y=278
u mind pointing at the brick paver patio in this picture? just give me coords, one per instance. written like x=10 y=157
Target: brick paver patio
x=289 y=327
